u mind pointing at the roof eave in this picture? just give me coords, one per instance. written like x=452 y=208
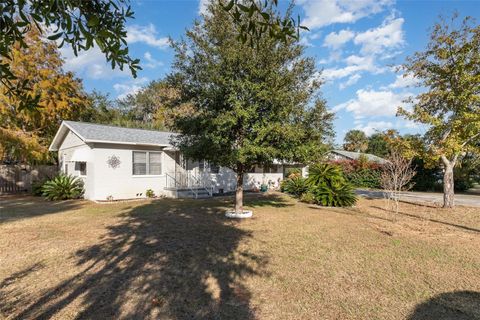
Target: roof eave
x=128 y=143
x=61 y=132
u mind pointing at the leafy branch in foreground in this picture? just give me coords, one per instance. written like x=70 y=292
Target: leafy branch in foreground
x=79 y=24
x=254 y=19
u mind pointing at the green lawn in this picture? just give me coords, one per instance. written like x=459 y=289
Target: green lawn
x=181 y=259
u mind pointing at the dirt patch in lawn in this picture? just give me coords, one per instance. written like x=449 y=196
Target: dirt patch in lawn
x=177 y=259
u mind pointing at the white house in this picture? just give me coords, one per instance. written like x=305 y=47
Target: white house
x=351 y=155
x=123 y=163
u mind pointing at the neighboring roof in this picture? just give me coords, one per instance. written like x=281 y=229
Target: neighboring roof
x=355 y=155
x=99 y=133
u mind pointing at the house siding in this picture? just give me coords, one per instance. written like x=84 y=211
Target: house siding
x=69 y=145
x=103 y=182
x=120 y=183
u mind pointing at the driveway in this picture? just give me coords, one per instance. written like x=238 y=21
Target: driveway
x=469 y=200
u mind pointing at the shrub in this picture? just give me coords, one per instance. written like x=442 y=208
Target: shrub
x=293 y=172
x=360 y=173
x=308 y=197
x=295 y=186
x=325 y=186
x=149 y=193
x=37 y=187
x=63 y=187
x=364 y=178
x=324 y=173
x=337 y=194
x=328 y=186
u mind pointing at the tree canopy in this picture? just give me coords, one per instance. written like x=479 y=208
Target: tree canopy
x=84 y=24
x=155 y=106
x=378 y=145
x=78 y=24
x=25 y=134
x=251 y=106
x=449 y=70
x=355 y=140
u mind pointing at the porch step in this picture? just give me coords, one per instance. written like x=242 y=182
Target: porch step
x=188 y=193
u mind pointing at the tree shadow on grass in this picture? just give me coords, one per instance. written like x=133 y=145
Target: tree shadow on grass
x=458 y=305
x=167 y=259
x=351 y=211
x=17 y=207
x=432 y=220
x=268 y=200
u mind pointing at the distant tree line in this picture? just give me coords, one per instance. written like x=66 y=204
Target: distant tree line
x=429 y=175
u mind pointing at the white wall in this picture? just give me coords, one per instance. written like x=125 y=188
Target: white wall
x=226 y=179
x=69 y=145
x=103 y=181
x=120 y=183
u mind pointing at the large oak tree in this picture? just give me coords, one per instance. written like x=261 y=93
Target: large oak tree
x=251 y=105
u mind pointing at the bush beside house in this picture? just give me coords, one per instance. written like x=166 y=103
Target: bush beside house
x=361 y=173
x=325 y=185
x=63 y=187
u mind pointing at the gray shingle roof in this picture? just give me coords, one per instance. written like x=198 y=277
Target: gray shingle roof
x=356 y=155
x=107 y=133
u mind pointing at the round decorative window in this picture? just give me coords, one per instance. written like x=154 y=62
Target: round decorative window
x=113 y=162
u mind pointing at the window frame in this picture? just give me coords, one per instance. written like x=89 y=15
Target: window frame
x=214 y=169
x=147 y=163
x=79 y=170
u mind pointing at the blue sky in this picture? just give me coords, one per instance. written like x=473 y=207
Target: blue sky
x=356 y=43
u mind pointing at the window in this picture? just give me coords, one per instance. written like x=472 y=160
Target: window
x=155 y=163
x=66 y=168
x=139 y=163
x=81 y=167
x=214 y=168
x=270 y=168
x=147 y=163
x=201 y=166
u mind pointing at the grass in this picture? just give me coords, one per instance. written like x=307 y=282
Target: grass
x=177 y=259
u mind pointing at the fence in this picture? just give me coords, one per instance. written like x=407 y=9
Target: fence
x=19 y=178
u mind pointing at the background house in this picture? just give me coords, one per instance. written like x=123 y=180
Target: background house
x=350 y=155
x=123 y=163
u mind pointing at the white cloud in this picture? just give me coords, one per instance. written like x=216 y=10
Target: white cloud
x=90 y=64
x=355 y=64
x=358 y=60
x=374 y=126
x=403 y=81
x=351 y=81
x=151 y=61
x=389 y=35
x=306 y=37
x=320 y=13
x=336 y=40
x=146 y=34
x=129 y=87
x=374 y=43
x=373 y=103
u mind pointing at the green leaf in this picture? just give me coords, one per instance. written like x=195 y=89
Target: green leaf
x=55 y=36
x=229 y=6
x=93 y=21
x=243 y=8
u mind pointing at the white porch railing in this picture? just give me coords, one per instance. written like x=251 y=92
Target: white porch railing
x=187 y=180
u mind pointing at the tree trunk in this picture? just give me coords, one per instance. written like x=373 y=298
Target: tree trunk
x=448 y=186
x=239 y=193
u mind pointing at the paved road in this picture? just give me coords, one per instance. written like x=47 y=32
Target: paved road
x=470 y=200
